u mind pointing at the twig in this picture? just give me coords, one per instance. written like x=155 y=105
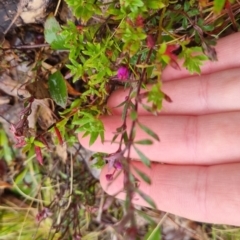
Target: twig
x=56 y=10
x=22 y=4
x=27 y=46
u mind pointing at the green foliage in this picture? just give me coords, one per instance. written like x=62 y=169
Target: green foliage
x=84 y=9
x=153 y=234
x=6 y=152
x=155 y=97
x=52 y=31
x=218 y=5
x=193 y=59
x=58 y=89
x=89 y=125
x=145 y=160
x=144 y=36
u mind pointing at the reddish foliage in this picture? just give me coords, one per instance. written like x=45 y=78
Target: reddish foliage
x=173 y=57
x=38 y=154
x=139 y=21
x=150 y=41
x=59 y=136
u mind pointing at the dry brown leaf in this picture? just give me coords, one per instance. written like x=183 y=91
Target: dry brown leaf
x=4 y=185
x=71 y=90
x=38 y=89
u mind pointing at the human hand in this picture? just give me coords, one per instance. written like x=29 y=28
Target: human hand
x=200 y=137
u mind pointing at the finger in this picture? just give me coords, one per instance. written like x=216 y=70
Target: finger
x=228 y=50
x=218 y=92
x=207 y=194
x=207 y=139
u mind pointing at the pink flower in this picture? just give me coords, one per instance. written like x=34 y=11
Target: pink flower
x=109 y=177
x=117 y=164
x=43 y=214
x=123 y=73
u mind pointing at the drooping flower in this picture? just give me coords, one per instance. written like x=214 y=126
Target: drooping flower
x=109 y=177
x=19 y=138
x=114 y=161
x=43 y=214
x=113 y=158
x=117 y=165
x=123 y=73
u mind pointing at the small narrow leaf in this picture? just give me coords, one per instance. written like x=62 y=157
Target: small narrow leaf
x=93 y=137
x=58 y=89
x=146 y=198
x=144 y=142
x=38 y=154
x=218 y=5
x=38 y=143
x=149 y=131
x=153 y=234
x=59 y=135
x=143 y=158
x=143 y=176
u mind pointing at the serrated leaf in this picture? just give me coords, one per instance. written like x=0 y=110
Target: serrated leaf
x=149 y=131
x=52 y=35
x=143 y=158
x=58 y=89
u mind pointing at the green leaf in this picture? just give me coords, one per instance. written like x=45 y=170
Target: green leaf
x=192 y=61
x=218 y=5
x=143 y=176
x=143 y=158
x=144 y=142
x=93 y=138
x=153 y=234
x=52 y=30
x=146 y=198
x=58 y=89
x=155 y=4
x=26 y=148
x=133 y=115
x=149 y=131
x=38 y=143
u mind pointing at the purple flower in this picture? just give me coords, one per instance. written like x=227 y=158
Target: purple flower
x=109 y=177
x=43 y=214
x=123 y=73
x=117 y=164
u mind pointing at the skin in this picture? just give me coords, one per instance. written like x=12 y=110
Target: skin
x=199 y=141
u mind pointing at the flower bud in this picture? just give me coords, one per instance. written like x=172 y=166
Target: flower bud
x=123 y=73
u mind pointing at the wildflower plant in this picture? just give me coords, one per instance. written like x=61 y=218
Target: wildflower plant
x=123 y=43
